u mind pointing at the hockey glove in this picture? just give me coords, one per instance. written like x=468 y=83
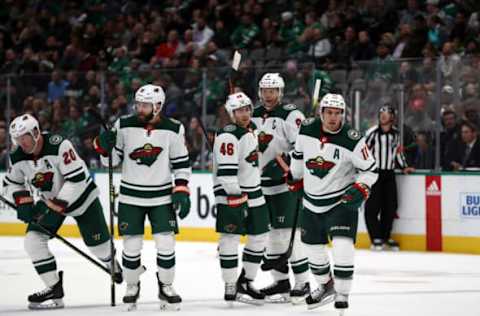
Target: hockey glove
x=57 y=205
x=238 y=200
x=294 y=185
x=355 y=196
x=277 y=168
x=181 y=200
x=24 y=202
x=104 y=143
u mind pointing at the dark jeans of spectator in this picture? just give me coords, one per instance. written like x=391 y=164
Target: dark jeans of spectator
x=381 y=206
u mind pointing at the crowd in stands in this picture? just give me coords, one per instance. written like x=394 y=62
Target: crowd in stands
x=60 y=58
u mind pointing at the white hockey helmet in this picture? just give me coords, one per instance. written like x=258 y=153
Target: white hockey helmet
x=332 y=100
x=271 y=81
x=151 y=94
x=24 y=124
x=237 y=101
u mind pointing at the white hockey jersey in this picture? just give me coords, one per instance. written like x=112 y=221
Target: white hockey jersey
x=150 y=157
x=277 y=132
x=235 y=165
x=57 y=172
x=330 y=163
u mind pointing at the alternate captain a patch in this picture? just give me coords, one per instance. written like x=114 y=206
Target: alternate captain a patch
x=263 y=140
x=43 y=181
x=146 y=155
x=253 y=158
x=319 y=166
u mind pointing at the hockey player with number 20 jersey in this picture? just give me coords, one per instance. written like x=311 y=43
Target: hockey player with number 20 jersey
x=48 y=166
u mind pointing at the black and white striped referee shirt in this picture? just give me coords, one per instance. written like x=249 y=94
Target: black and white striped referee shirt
x=385 y=147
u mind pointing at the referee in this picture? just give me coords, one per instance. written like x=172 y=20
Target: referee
x=384 y=143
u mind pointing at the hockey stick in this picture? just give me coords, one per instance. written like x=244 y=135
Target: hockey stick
x=283 y=258
x=111 y=193
x=55 y=235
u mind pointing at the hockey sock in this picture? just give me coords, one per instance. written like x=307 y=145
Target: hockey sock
x=165 y=243
x=278 y=240
x=36 y=245
x=343 y=257
x=228 y=253
x=298 y=260
x=253 y=254
x=319 y=262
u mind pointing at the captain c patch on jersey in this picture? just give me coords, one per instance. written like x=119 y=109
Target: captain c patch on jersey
x=146 y=155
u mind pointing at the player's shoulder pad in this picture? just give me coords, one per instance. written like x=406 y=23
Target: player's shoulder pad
x=234 y=130
x=310 y=127
x=170 y=124
x=129 y=120
x=353 y=134
x=289 y=107
x=350 y=137
x=17 y=155
x=52 y=144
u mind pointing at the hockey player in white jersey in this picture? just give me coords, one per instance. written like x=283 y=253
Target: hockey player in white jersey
x=241 y=208
x=278 y=126
x=48 y=166
x=338 y=171
x=150 y=148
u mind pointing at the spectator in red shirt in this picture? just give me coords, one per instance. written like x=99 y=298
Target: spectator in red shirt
x=168 y=49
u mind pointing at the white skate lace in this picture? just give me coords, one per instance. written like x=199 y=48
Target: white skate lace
x=43 y=292
x=169 y=290
x=230 y=288
x=317 y=292
x=131 y=290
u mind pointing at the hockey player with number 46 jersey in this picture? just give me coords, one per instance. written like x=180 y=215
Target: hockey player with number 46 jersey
x=338 y=171
x=241 y=208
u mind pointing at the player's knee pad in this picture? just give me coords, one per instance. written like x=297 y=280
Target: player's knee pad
x=36 y=245
x=256 y=242
x=228 y=243
x=343 y=251
x=165 y=242
x=132 y=245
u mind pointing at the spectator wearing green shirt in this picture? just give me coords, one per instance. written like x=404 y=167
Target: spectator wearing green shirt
x=244 y=34
x=290 y=30
x=383 y=67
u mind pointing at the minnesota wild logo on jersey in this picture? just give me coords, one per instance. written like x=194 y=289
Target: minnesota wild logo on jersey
x=263 y=140
x=146 y=155
x=319 y=166
x=253 y=158
x=43 y=181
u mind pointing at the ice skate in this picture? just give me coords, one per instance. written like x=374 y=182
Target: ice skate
x=321 y=296
x=230 y=293
x=169 y=299
x=341 y=303
x=131 y=296
x=118 y=273
x=392 y=245
x=278 y=292
x=248 y=294
x=377 y=245
x=50 y=298
x=299 y=292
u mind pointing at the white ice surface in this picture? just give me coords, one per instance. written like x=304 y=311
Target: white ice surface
x=404 y=283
